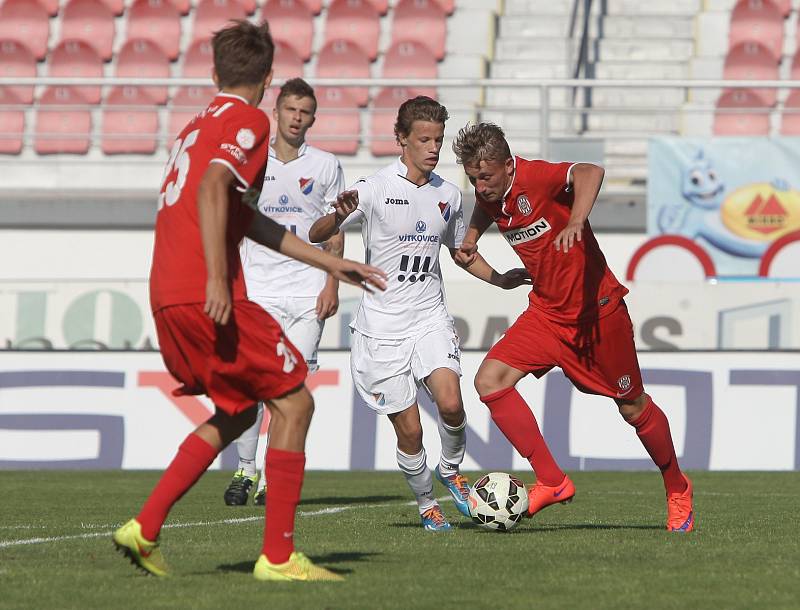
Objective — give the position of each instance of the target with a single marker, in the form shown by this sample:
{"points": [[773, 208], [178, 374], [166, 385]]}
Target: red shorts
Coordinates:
{"points": [[599, 358], [246, 361]]}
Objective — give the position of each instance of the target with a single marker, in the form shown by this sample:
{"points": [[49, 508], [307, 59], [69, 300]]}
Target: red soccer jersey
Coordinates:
{"points": [[568, 288], [233, 133]]}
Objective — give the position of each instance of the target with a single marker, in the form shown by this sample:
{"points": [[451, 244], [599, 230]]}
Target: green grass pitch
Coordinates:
{"points": [[608, 549]]}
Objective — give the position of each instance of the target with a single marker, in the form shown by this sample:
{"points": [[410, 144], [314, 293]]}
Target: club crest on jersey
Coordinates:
{"points": [[523, 205], [624, 382], [444, 208], [283, 199], [246, 138], [306, 185], [421, 226]]}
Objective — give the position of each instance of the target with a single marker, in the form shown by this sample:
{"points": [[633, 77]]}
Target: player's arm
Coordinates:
{"points": [[484, 271], [212, 212], [269, 233], [328, 299], [585, 180], [478, 223], [328, 226]]}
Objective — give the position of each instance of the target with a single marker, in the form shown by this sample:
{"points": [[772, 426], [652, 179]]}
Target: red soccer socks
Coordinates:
{"points": [[193, 459], [512, 415], [284, 471], [652, 428]]}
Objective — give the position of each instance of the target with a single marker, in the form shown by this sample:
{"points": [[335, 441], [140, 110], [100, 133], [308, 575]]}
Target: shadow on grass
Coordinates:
{"points": [[349, 500], [322, 560], [535, 529]]}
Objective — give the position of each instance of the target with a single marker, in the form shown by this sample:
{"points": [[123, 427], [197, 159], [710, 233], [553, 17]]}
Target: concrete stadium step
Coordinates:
{"points": [[662, 97], [526, 96], [632, 70], [637, 7], [541, 7], [525, 122], [648, 26], [508, 68], [533, 49], [520, 26], [642, 49], [635, 122]]}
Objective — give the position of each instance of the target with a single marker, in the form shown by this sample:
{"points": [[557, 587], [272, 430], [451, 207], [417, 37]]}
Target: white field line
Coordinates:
{"points": [[332, 510]]}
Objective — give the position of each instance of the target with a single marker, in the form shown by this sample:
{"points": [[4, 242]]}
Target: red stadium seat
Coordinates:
{"points": [[448, 6], [183, 6], [384, 114], [130, 122], [62, 129], [423, 21], [751, 119], [286, 63], [90, 21], [17, 60], [757, 21], [117, 7], [249, 6], [212, 15], [382, 6], [752, 61], [25, 22], [77, 58], [790, 119], [186, 103], [290, 22], [338, 125], [51, 6], [12, 122], [356, 21], [410, 59], [198, 60], [315, 6], [156, 20], [268, 103], [140, 58], [345, 59]]}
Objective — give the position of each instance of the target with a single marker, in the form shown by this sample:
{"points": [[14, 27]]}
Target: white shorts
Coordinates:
{"points": [[388, 372], [297, 317]]}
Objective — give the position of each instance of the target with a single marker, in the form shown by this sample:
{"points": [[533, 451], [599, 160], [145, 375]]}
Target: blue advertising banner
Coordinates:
{"points": [[733, 196]]}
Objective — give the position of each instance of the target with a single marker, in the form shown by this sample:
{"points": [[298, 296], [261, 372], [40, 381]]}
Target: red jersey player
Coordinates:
{"points": [[577, 319], [213, 340]]}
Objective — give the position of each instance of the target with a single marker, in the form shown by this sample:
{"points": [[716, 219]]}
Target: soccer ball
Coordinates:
{"points": [[497, 501]]}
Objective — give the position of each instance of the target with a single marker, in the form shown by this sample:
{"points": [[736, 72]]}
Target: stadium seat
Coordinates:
{"points": [[338, 125], [291, 22], [268, 103], [130, 122], [183, 6], [143, 58], [286, 63], [77, 58], [382, 119], [17, 60], [752, 61], [423, 21], [51, 6], [27, 23], [345, 59], [90, 21], [448, 6], [790, 119], [757, 21], [785, 7], [211, 15], [117, 7], [382, 6], [411, 59], [249, 6], [198, 60], [156, 20], [61, 129], [12, 122], [356, 21], [315, 6], [752, 118], [186, 103]]}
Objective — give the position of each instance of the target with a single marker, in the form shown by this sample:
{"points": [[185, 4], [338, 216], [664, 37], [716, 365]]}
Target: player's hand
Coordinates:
{"points": [[358, 274], [567, 238], [466, 253], [515, 277], [327, 302], [345, 204], [218, 305]]}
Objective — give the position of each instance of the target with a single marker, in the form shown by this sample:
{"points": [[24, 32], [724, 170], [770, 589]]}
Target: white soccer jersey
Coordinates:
{"points": [[295, 194], [403, 226]]}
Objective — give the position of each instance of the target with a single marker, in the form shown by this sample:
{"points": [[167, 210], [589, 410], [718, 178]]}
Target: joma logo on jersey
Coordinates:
{"points": [[529, 233], [392, 201]]}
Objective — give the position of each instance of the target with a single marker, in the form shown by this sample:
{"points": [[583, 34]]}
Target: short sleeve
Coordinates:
{"points": [[366, 196], [455, 227], [554, 177], [243, 144], [334, 187]]}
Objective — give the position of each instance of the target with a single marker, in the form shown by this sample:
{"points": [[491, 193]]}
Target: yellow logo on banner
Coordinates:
{"points": [[761, 212]]}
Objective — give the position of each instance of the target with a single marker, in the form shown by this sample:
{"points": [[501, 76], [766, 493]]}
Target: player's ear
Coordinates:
{"points": [[268, 78], [214, 77], [509, 166]]}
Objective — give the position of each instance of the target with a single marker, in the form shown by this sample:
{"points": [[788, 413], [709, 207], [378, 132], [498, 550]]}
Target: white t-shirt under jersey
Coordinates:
{"points": [[295, 194], [403, 226]]}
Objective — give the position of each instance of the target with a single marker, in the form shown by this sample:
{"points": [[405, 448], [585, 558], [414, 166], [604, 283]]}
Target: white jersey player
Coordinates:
{"points": [[300, 184], [404, 337]]}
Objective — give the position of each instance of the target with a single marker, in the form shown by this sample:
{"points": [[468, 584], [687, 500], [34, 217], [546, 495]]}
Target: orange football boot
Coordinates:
{"points": [[541, 496], [680, 515]]}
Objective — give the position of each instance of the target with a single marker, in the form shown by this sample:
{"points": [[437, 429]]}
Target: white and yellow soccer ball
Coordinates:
{"points": [[498, 501]]}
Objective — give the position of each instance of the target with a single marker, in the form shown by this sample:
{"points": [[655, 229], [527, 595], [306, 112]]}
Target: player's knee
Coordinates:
{"points": [[451, 407], [631, 410], [487, 383], [409, 438]]}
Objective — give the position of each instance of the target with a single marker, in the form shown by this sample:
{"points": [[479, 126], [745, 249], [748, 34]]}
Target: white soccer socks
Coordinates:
{"points": [[419, 478], [454, 445], [247, 445]]}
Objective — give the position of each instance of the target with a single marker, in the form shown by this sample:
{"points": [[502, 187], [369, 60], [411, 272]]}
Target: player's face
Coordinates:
{"points": [[491, 179], [421, 147], [294, 115]]}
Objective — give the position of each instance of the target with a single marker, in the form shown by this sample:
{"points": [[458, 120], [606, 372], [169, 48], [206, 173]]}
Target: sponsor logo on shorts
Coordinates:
{"points": [[523, 205], [235, 152], [394, 201], [306, 185], [604, 301], [246, 138], [531, 232], [380, 399]]}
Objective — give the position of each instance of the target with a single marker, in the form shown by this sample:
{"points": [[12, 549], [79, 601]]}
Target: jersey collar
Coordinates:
{"points": [[401, 170], [300, 151], [508, 190], [236, 97]]}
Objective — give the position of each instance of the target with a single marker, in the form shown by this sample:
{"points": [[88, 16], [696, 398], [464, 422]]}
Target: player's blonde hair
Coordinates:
{"points": [[243, 53], [420, 108], [480, 142]]}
